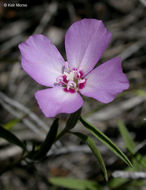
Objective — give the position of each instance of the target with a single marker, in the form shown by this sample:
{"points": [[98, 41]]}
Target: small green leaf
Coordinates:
{"points": [[95, 151], [47, 144], [116, 183], [140, 92], [7, 135], [11, 124], [129, 143], [104, 139], [139, 162], [73, 119], [75, 184]]}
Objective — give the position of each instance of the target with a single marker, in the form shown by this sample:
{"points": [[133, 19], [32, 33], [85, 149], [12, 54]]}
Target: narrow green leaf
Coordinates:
{"points": [[116, 183], [9, 125], [47, 144], [104, 139], [95, 151], [7, 135], [129, 143], [139, 162], [76, 184], [73, 119]]}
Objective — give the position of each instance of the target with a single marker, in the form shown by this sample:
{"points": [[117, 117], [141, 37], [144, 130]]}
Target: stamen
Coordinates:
{"points": [[59, 79], [81, 81], [71, 84], [71, 81]]}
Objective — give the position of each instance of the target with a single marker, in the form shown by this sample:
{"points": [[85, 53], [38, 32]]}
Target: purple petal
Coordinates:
{"points": [[85, 42], [55, 100], [41, 59], [106, 81]]}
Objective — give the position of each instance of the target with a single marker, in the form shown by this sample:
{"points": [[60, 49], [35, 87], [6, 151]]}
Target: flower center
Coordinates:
{"points": [[71, 80]]}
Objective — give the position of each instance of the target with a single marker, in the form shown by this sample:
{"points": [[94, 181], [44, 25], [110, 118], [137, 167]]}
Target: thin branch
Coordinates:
{"points": [[69, 149], [25, 110], [37, 126], [133, 49], [129, 175], [50, 11], [27, 122], [143, 2], [115, 109]]}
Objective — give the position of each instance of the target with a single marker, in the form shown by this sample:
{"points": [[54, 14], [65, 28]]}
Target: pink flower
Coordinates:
{"points": [[85, 42]]}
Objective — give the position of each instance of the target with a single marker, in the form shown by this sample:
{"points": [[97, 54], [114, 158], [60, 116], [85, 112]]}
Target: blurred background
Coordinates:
{"points": [[19, 112]]}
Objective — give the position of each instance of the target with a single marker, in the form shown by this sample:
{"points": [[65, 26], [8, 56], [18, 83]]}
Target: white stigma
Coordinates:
{"points": [[71, 80], [70, 76]]}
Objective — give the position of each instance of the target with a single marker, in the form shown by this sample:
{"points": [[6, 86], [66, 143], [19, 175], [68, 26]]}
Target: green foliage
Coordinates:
{"points": [[104, 139], [94, 150], [47, 144], [129, 143], [75, 184], [117, 183], [9, 125], [72, 121], [140, 92], [139, 163], [11, 138]]}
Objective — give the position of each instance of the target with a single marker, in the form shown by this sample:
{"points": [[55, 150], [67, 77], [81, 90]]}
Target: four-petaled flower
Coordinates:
{"points": [[85, 42]]}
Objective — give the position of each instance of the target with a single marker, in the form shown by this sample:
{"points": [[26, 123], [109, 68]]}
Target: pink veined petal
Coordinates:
{"points": [[41, 59], [85, 42], [55, 100], [106, 81]]}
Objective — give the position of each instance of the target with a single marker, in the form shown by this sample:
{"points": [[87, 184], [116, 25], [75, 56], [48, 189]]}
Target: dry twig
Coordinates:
{"points": [[129, 175]]}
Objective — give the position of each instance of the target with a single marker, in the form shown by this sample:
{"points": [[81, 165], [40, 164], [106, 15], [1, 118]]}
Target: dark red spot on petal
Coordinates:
{"points": [[81, 74], [65, 79], [82, 85], [71, 90]]}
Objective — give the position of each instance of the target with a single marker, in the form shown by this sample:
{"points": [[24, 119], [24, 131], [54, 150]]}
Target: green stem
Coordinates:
{"points": [[72, 121]]}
